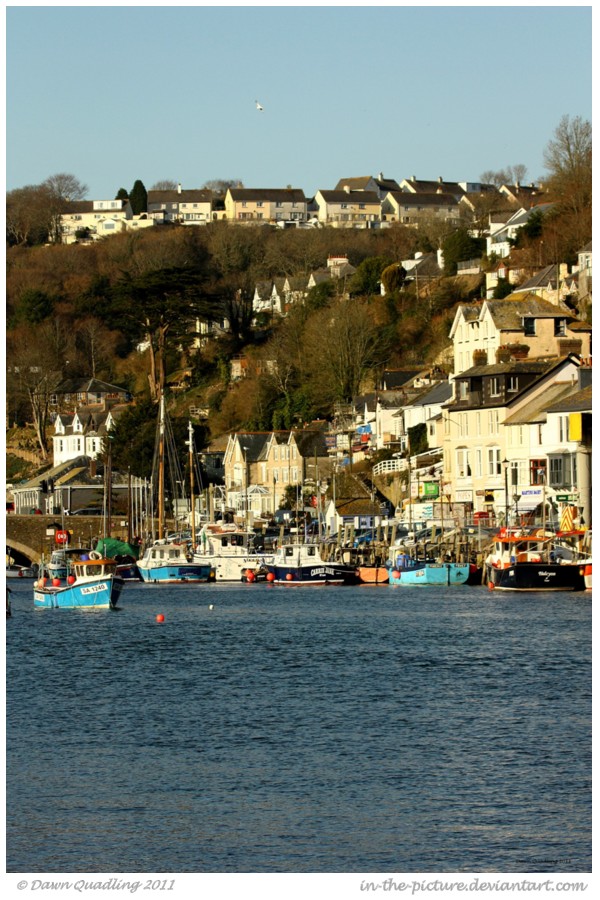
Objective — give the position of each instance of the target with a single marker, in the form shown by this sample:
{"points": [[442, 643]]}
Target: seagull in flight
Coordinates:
{"points": [[259, 107]]}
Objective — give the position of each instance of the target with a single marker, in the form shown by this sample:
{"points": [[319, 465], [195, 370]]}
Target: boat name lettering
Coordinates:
{"points": [[547, 574], [93, 589], [323, 570]]}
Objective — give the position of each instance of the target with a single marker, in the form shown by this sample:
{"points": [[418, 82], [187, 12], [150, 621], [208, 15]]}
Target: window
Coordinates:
{"points": [[478, 463], [537, 471], [493, 421], [560, 327], [463, 390], [463, 463], [478, 424], [563, 428], [563, 471], [528, 326], [494, 387], [259, 203], [494, 462], [513, 384]]}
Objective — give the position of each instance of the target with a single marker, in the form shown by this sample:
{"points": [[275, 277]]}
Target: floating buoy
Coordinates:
{"points": [[160, 618], [211, 606], [289, 577], [270, 577], [250, 577]]}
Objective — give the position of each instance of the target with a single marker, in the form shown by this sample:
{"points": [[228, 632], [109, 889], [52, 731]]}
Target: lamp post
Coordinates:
{"points": [[245, 449], [516, 498], [505, 465]]}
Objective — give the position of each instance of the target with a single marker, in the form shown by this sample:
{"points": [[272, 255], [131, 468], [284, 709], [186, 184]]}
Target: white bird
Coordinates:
{"points": [[259, 107]]}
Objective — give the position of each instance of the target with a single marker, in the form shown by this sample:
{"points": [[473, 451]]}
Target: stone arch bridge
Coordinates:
{"points": [[30, 537]]}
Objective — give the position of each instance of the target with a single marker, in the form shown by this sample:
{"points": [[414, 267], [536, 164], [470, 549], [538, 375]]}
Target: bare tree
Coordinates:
{"points": [[28, 215], [166, 184], [568, 159]]}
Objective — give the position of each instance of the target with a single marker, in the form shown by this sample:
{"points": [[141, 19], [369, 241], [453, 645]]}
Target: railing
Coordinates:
{"points": [[390, 465]]}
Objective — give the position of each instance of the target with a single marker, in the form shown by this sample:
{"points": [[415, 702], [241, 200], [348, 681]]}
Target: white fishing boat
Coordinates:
{"points": [[230, 551]]}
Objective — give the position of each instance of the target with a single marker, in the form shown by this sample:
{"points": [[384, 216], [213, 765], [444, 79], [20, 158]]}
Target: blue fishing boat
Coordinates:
{"points": [[168, 562], [409, 571], [91, 584]]}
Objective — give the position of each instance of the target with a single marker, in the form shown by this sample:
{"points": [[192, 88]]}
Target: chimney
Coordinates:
{"points": [[347, 188], [413, 178], [440, 180], [92, 468], [179, 188], [381, 176], [440, 258]]}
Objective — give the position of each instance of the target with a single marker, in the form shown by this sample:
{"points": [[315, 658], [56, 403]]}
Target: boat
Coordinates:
{"points": [[230, 551], [525, 560], [125, 555], [61, 559], [169, 561], [302, 564], [15, 571], [91, 584], [373, 574], [410, 571], [172, 563]]}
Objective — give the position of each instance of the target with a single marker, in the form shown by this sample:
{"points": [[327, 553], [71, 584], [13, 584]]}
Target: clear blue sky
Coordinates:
{"points": [[111, 94]]}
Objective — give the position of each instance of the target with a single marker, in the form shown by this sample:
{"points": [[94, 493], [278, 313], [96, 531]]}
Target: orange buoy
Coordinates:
{"points": [[491, 585], [250, 576], [71, 579], [160, 618], [270, 577], [56, 582], [289, 577], [396, 574]]}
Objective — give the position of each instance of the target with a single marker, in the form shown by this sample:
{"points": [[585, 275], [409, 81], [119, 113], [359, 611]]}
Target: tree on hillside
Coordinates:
{"points": [[568, 159], [138, 198], [460, 246], [393, 277], [122, 194], [345, 345], [28, 215], [161, 306], [33, 375], [366, 280], [510, 175]]}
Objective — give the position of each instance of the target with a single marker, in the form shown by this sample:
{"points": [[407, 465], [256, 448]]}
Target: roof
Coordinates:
{"points": [[88, 385], [406, 198], [515, 367], [508, 313], [577, 401], [355, 196], [175, 196], [439, 393], [430, 187], [395, 378], [269, 194], [536, 410]]}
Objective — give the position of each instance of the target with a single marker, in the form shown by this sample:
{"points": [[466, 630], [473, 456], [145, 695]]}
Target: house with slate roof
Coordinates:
{"points": [[184, 207], [414, 185], [410, 208], [91, 220], [82, 433], [260, 206], [71, 393], [485, 464], [515, 325], [499, 240], [380, 185], [348, 209]]}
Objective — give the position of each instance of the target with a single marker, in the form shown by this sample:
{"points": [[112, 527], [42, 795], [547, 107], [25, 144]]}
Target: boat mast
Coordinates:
{"points": [[190, 443], [161, 470]]}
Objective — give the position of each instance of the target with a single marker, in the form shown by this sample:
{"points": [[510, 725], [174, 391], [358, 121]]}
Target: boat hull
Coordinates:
{"points": [[234, 568], [318, 574], [102, 593], [432, 574], [373, 575], [535, 576], [176, 574]]}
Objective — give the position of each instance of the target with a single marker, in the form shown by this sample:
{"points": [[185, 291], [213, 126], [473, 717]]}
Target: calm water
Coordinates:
{"points": [[369, 729]]}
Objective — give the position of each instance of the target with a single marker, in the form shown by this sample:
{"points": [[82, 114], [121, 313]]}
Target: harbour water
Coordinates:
{"points": [[300, 730]]}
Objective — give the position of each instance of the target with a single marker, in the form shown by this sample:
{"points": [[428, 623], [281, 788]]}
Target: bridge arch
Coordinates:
{"points": [[21, 553]]}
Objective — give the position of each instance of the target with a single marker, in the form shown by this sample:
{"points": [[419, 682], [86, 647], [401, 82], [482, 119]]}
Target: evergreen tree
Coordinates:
{"points": [[138, 198]]}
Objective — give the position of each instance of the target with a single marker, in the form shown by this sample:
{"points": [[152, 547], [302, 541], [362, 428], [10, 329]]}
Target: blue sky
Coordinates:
{"points": [[112, 94]]}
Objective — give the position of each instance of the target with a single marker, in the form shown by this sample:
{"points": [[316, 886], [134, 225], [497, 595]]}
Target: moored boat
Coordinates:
{"points": [[297, 564], [524, 560], [91, 584], [373, 574], [230, 552], [172, 563], [409, 571]]}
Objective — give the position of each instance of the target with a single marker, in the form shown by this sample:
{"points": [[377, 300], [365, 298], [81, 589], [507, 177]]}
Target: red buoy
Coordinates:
{"points": [[56, 582], [250, 576], [160, 618], [71, 579], [289, 577], [270, 577], [396, 574]]}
